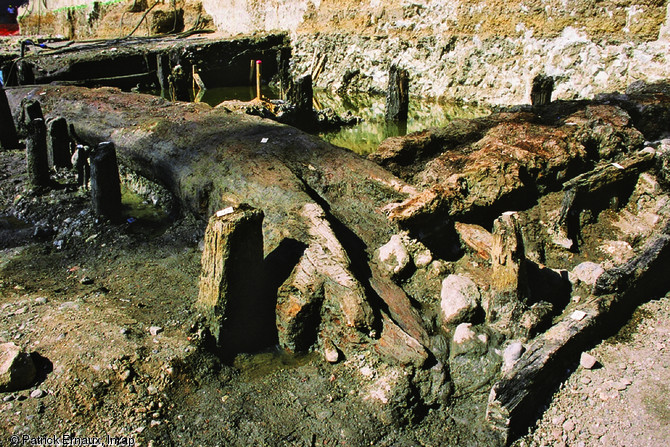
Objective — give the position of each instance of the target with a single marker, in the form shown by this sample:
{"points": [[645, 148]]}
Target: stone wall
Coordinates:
{"points": [[485, 51]]}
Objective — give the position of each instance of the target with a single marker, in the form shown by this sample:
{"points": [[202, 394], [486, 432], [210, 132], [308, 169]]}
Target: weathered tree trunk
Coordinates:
{"points": [[231, 296], [8, 137], [105, 183], [58, 144], [212, 159], [36, 154], [543, 87], [508, 279], [301, 95], [397, 95]]}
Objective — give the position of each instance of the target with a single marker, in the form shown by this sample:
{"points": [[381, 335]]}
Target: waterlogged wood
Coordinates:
{"points": [[655, 256], [8, 137], [210, 159], [36, 154], [397, 346], [397, 95], [321, 288], [618, 291], [508, 278], [231, 281], [301, 95], [58, 143], [476, 238], [592, 189], [543, 87], [105, 183]]}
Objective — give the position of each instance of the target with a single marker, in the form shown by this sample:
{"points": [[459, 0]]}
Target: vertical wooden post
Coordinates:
{"points": [[397, 95], [105, 183], [283, 59], [231, 297], [543, 87], [30, 110], [163, 73], [80, 162], [179, 84], [25, 75], [509, 286], [8, 136], [301, 95], [258, 79], [58, 143], [36, 154]]}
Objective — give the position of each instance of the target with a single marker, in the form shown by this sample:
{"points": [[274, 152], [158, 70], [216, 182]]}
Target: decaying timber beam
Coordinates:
{"points": [[617, 292], [587, 190]]}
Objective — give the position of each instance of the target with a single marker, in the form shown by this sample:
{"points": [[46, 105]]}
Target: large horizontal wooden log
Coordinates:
{"points": [[210, 159]]}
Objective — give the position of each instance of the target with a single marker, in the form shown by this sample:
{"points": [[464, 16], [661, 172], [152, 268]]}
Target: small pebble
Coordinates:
{"points": [[155, 330], [36, 394], [587, 361]]}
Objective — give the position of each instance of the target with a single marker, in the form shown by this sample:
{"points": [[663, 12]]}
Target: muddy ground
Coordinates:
{"points": [[82, 295], [106, 308]]}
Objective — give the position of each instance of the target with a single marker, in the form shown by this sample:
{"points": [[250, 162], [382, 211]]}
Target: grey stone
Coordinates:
{"points": [[37, 393], [17, 370], [587, 272], [511, 354], [460, 297], [587, 361], [394, 255]]}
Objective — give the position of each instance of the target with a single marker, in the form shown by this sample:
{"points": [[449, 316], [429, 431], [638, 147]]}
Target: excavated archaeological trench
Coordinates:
{"points": [[433, 293]]}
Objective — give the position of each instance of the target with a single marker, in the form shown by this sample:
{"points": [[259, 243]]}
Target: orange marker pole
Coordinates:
{"points": [[258, 79]]}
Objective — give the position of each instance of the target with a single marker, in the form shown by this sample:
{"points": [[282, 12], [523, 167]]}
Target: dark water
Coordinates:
{"points": [[364, 137]]}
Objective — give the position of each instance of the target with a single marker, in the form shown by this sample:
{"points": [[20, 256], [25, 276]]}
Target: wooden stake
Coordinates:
{"points": [[232, 281], [8, 137], [58, 144], [105, 183], [36, 154], [397, 96]]}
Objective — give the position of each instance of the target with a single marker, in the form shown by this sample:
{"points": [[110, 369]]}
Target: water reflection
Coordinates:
{"points": [[364, 137]]}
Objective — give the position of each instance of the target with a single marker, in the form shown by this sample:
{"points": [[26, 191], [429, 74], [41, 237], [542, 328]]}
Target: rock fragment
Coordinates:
{"points": [[394, 255], [459, 299], [17, 370], [587, 361]]}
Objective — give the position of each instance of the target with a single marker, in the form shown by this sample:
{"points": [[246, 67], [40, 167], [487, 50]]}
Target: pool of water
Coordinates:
{"points": [[365, 136]]}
